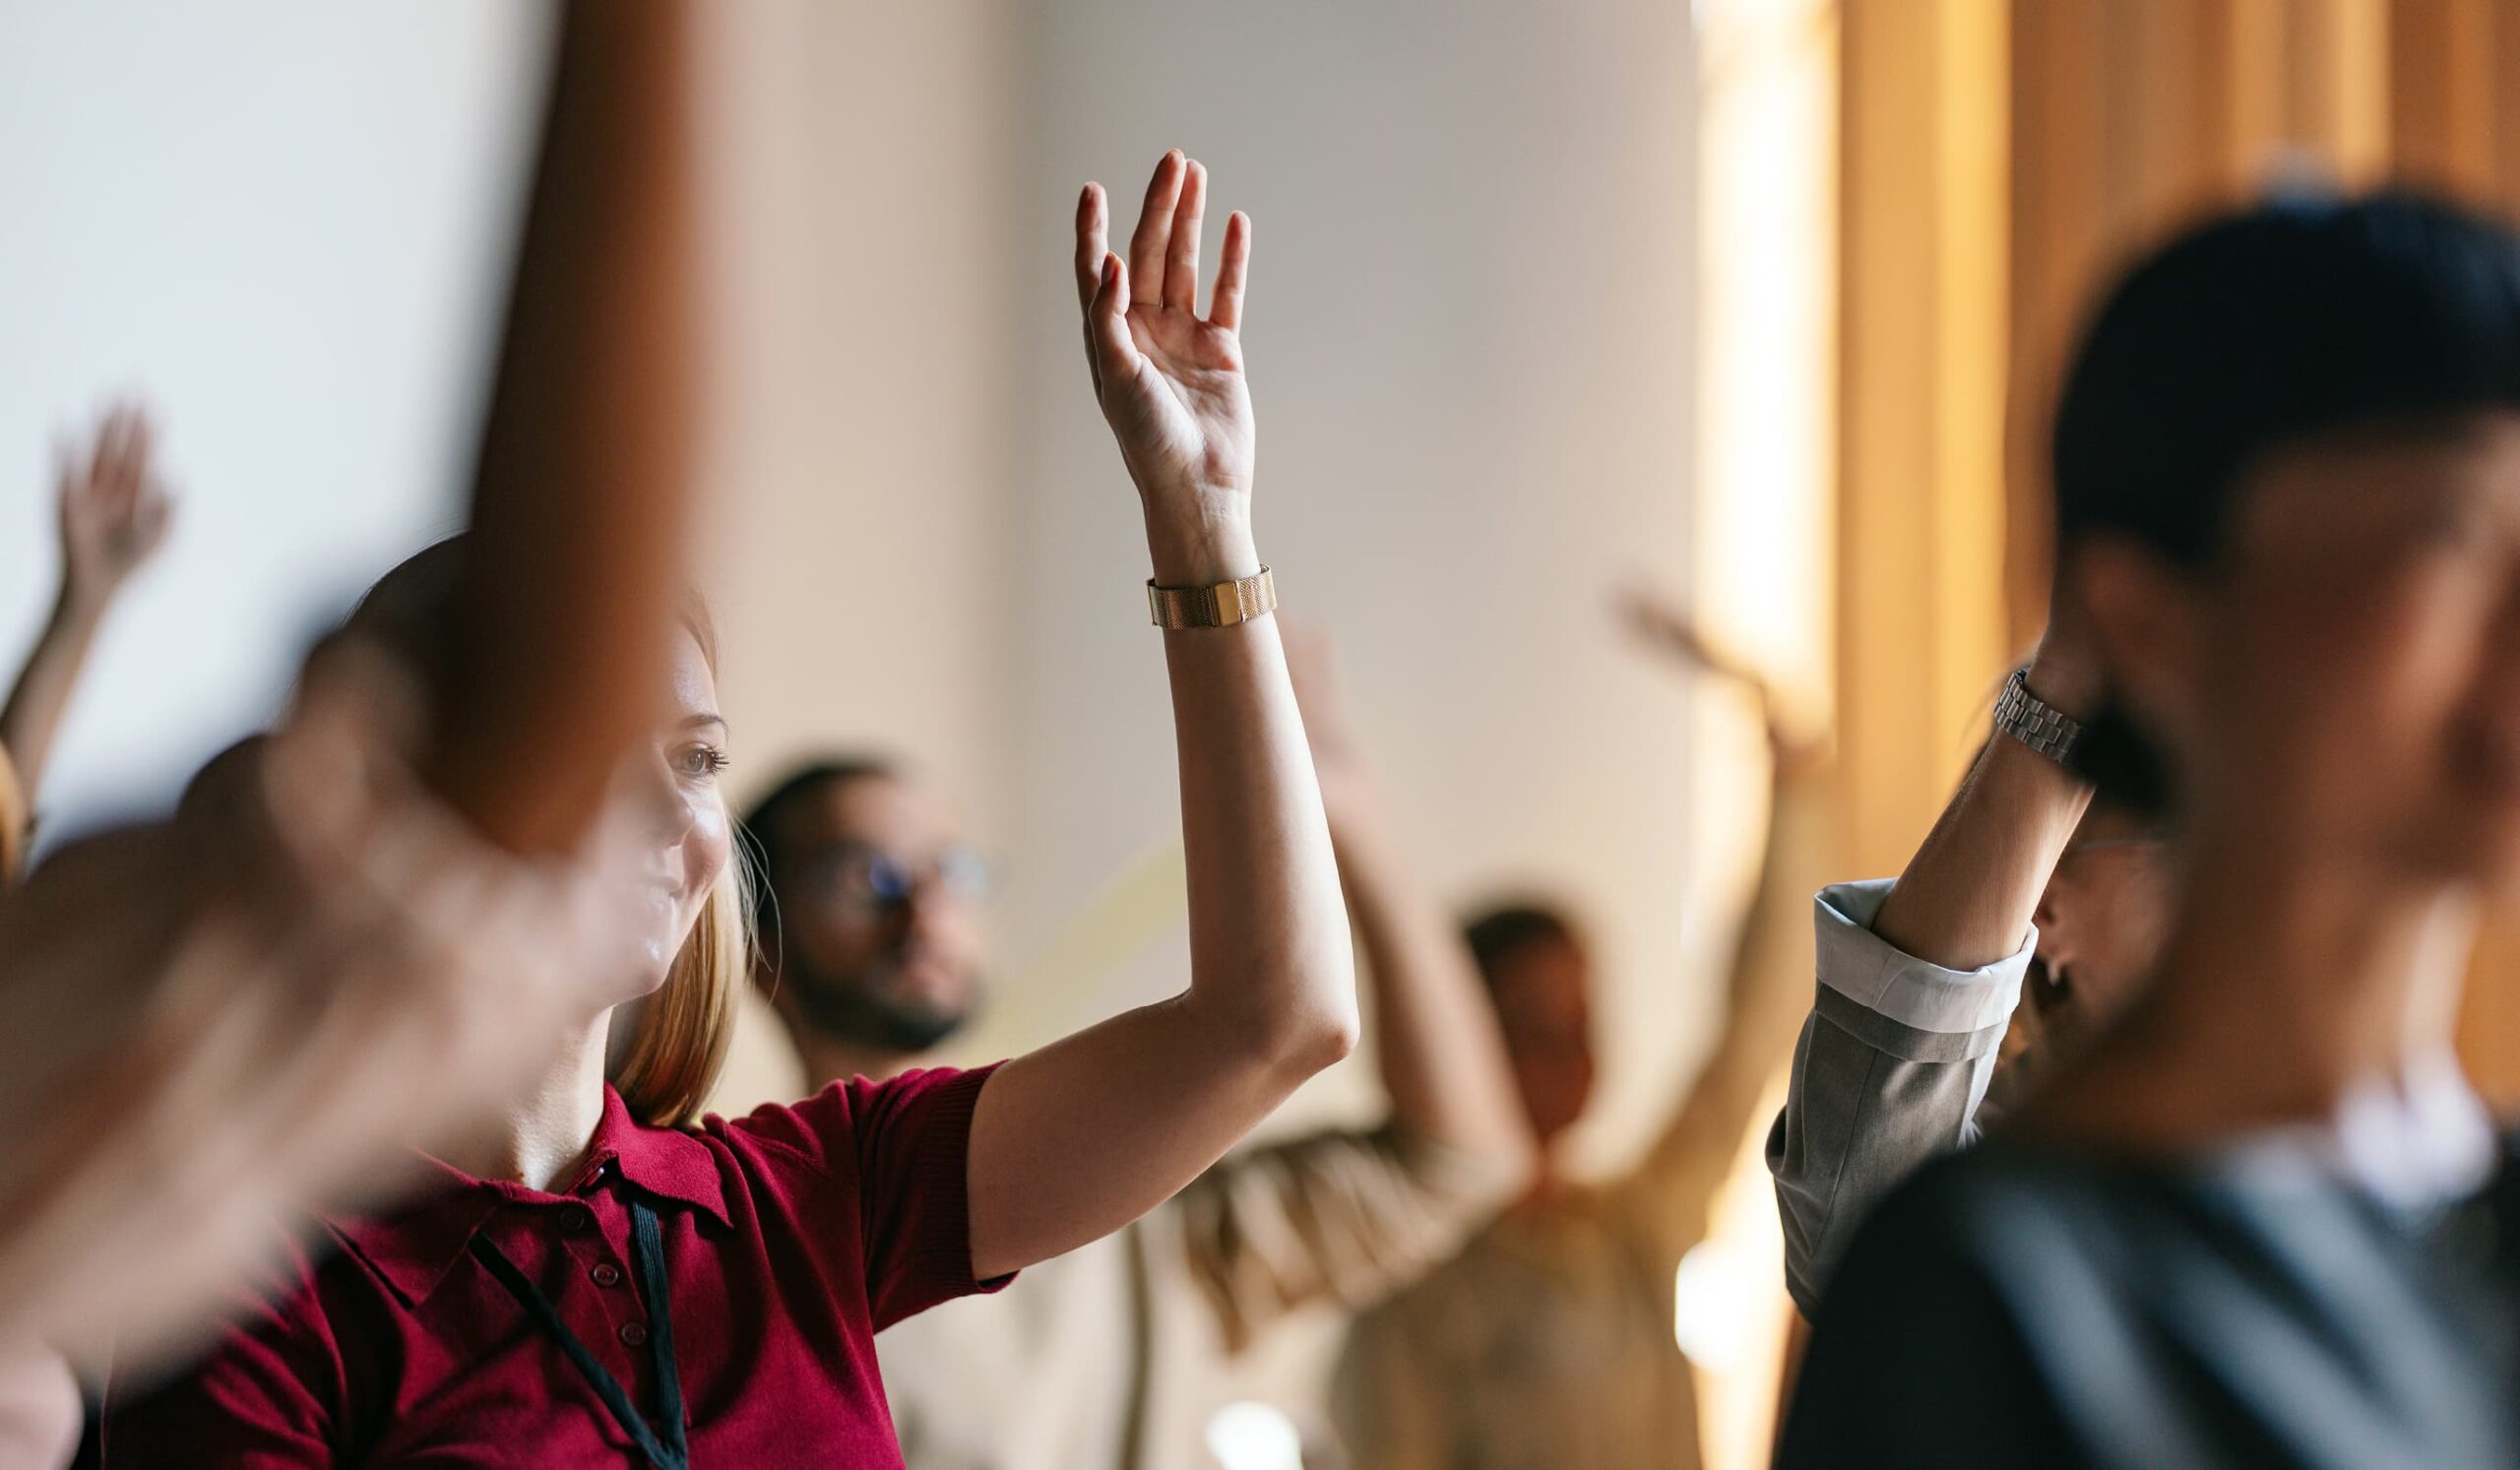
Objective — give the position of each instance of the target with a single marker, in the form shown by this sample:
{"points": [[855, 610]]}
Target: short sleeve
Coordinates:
{"points": [[907, 1143], [265, 1397]]}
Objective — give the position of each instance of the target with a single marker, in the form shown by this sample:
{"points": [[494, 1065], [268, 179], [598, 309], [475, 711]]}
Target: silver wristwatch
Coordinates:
{"points": [[2041, 726]]}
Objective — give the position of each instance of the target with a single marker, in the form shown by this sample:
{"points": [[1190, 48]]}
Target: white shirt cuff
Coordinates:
{"points": [[1860, 965]]}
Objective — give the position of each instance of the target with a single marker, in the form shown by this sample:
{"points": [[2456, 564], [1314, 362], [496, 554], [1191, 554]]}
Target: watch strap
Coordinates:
{"points": [[1222, 604], [2041, 725]]}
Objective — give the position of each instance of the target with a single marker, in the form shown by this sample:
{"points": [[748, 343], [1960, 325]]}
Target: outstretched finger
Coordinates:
{"points": [[104, 451], [1093, 242], [1181, 260], [1225, 308], [1154, 234], [1107, 321], [138, 439]]}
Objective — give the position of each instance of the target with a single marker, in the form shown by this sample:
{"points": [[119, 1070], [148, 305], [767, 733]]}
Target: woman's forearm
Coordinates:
{"points": [[41, 697]]}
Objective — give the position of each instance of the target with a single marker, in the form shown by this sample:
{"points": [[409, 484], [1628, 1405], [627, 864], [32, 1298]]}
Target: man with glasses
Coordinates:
{"points": [[1123, 1354], [866, 909]]}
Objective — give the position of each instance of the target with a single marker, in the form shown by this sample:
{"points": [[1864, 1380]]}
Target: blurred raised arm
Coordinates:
{"points": [[256, 1005], [585, 475], [112, 512]]}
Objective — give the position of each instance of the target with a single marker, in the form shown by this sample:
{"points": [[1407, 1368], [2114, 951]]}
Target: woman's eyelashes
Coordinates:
{"points": [[700, 761]]}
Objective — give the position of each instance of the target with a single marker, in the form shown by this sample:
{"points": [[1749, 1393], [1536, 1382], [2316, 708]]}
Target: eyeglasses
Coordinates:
{"points": [[870, 878]]}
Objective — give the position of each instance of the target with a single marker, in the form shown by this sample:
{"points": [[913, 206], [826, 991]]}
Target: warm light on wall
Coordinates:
{"points": [[1766, 429]]}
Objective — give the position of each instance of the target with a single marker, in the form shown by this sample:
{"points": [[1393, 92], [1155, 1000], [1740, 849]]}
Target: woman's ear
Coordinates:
{"points": [[2145, 623]]}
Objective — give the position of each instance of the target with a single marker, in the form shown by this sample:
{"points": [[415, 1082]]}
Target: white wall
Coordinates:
{"points": [[285, 222]]}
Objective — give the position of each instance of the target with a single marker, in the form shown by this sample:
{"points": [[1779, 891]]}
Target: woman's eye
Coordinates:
{"points": [[703, 760]]}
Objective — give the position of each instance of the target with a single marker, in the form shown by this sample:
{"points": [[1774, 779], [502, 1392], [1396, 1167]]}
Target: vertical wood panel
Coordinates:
{"points": [[2441, 94], [2337, 86], [1924, 324]]}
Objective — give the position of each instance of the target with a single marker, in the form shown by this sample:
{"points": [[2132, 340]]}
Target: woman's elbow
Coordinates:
{"points": [[1319, 1029], [1323, 1042]]}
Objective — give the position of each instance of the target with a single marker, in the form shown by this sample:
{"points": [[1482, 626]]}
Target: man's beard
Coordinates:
{"points": [[856, 1014]]}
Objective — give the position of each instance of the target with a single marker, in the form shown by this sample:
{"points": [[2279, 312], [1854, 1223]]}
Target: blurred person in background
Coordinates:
{"points": [[2022, 926], [596, 1278], [1118, 1354], [2262, 1219], [111, 510], [1549, 1341]]}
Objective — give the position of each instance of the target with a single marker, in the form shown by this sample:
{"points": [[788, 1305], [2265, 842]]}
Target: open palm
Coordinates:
{"points": [[1169, 381], [113, 509]]}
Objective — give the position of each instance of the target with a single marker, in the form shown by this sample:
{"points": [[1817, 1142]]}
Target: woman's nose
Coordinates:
{"points": [[664, 808]]}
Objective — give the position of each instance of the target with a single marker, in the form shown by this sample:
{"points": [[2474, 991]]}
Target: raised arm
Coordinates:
{"points": [[113, 514], [1072, 1141], [256, 1005], [1348, 1215], [1673, 1189], [1915, 984], [1443, 1063]]}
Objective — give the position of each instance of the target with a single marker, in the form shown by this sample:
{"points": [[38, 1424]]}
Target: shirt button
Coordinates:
{"points": [[607, 1274], [634, 1333], [577, 1218]]}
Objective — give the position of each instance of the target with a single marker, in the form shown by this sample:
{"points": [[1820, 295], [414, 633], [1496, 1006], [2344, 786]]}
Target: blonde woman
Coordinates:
{"points": [[600, 1282]]}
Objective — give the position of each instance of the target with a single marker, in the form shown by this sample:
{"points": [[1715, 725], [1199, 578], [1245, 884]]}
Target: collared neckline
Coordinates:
{"points": [[415, 1244], [2417, 1143]]}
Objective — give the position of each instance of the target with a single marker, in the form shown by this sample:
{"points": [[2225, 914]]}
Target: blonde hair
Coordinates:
{"points": [[679, 1035], [677, 1043]]}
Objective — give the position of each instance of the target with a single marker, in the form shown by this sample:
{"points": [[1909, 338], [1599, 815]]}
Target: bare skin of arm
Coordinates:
{"points": [[1766, 985], [1965, 900], [1076, 1139]]}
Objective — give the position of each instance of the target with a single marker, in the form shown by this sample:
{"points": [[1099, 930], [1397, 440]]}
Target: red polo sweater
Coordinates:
{"points": [[791, 1238]]}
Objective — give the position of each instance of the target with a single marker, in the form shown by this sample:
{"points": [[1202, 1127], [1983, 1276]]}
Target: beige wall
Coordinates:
{"points": [[859, 548]]}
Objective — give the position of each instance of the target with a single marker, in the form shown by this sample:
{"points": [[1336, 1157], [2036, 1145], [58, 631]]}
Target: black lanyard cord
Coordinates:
{"points": [[647, 1242]]}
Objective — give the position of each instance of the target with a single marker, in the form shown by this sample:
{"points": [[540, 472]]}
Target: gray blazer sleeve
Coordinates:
{"points": [[1889, 1071]]}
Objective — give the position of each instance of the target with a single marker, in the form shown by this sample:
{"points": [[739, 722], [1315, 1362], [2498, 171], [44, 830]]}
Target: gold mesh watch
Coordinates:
{"points": [[1221, 605]]}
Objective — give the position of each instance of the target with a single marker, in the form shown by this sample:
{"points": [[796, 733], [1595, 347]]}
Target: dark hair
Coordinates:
{"points": [[764, 831], [1500, 931], [2289, 322]]}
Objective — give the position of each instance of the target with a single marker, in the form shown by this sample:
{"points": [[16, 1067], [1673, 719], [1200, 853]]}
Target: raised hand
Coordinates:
{"points": [[1661, 624], [113, 509], [1170, 382]]}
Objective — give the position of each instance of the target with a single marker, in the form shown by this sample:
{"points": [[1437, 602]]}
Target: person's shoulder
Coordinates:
{"points": [[1959, 1216]]}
